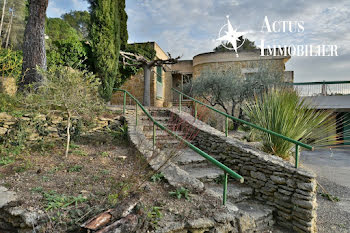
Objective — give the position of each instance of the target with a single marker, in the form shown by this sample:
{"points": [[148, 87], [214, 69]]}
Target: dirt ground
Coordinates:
{"points": [[100, 171]]}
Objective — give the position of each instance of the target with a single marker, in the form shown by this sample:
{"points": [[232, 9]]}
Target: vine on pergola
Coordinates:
{"points": [[131, 59]]}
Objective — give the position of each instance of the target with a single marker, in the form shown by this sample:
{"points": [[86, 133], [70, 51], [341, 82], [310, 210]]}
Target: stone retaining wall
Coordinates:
{"points": [[291, 191], [38, 126]]}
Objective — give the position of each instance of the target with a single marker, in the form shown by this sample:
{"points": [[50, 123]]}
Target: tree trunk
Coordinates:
{"points": [[9, 30], [147, 85], [68, 134], [34, 53], [2, 18], [237, 124]]}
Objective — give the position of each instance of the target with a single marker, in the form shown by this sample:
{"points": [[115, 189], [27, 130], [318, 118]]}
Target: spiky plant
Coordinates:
{"points": [[284, 112]]}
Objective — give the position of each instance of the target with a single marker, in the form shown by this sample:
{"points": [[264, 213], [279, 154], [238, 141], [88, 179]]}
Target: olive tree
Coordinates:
{"points": [[69, 92], [229, 88]]}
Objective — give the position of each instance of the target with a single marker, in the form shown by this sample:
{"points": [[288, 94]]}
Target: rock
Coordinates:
{"points": [[278, 179], [25, 118], [6, 197], [307, 186], [304, 203], [33, 137], [246, 223], [258, 175], [3, 131], [6, 117], [201, 223], [51, 129]]}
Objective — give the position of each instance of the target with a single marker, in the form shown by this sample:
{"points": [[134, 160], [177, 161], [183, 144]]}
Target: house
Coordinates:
{"points": [[333, 96], [176, 75]]}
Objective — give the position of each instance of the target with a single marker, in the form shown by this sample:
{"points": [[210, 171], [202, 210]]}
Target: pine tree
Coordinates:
{"points": [[34, 54], [105, 35]]}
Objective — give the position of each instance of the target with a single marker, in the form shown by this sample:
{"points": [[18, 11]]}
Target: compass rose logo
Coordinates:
{"points": [[230, 36]]}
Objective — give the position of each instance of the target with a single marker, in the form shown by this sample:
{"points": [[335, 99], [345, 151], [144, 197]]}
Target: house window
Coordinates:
{"points": [[159, 74], [159, 87]]}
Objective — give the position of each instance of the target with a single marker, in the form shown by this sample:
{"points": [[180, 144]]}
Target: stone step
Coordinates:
{"points": [[159, 113], [255, 217], [148, 126], [162, 133], [203, 173], [188, 156], [157, 118], [235, 192]]}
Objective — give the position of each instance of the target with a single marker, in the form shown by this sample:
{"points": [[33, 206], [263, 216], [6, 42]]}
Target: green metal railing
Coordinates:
{"points": [[227, 171], [227, 117]]}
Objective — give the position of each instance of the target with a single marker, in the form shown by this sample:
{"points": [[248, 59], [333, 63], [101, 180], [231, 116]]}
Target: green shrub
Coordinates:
{"points": [[10, 63], [284, 112], [8, 103], [68, 52]]}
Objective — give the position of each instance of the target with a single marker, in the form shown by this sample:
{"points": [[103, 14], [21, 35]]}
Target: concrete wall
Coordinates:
{"points": [[291, 191]]}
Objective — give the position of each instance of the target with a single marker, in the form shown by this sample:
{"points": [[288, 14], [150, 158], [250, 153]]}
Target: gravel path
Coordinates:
{"points": [[333, 171]]}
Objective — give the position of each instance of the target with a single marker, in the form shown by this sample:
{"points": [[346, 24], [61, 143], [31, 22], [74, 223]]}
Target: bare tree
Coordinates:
{"points": [[9, 28], [34, 53], [140, 61], [2, 17]]}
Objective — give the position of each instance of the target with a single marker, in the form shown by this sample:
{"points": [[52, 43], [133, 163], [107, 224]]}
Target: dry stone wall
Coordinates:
{"points": [[39, 127], [291, 191]]}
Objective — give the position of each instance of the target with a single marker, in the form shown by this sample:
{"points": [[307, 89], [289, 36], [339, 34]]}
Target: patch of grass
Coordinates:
{"points": [[79, 152], [60, 201], [75, 168], [43, 146], [105, 154], [45, 178], [73, 146], [6, 160], [180, 193], [157, 177], [38, 189], [113, 198], [23, 167], [105, 172], [154, 215]]}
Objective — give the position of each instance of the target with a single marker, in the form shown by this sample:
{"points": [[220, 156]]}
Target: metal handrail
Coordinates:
{"points": [[297, 143], [227, 171], [318, 83]]}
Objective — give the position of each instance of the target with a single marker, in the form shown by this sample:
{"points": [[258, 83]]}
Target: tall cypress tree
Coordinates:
{"points": [[105, 34]]}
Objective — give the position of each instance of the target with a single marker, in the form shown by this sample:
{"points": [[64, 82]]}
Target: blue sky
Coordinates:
{"points": [[189, 27]]}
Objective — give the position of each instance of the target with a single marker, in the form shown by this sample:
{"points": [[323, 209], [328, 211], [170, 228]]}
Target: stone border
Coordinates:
{"points": [[17, 219], [291, 191]]}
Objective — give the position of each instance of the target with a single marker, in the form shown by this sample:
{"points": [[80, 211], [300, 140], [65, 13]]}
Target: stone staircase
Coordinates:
{"points": [[254, 216]]}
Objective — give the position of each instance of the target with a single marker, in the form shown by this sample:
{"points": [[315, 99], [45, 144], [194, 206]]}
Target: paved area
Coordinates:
{"points": [[332, 167]]}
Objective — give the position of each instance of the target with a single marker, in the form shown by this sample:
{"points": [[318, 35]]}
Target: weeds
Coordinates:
{"points": [[154, 215], [79, 152], [121, 132], [6, 160], [75, 168], [180, 192], [157, 177], [220, 179], [58, 201]]}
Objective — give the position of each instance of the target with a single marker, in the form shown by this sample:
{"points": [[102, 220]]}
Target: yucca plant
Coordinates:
{"points": [[284, 112]]}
